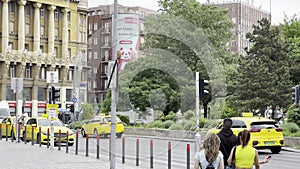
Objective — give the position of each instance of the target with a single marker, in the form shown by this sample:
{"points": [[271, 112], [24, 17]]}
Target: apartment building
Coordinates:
{"points": [[100, 42], [38, 36], [243, 15]]}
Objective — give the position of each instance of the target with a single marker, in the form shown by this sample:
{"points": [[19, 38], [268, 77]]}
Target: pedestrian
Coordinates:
{"points": [[210, 155], [245, 155], [228, 139], [231, 156]]}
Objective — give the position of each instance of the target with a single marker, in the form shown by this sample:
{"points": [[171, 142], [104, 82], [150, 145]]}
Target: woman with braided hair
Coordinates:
{"points": [[210, 155]]}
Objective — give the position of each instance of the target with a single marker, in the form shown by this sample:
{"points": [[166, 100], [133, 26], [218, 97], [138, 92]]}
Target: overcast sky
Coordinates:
{"points": [[278, 7]]}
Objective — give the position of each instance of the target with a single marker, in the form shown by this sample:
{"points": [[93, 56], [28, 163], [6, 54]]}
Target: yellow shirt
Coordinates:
{"points": [[244, 156]]}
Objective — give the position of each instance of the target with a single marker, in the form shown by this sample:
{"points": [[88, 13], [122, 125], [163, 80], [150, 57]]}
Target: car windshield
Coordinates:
{"points": [[4, 112], [47, 122], [264, 125]]}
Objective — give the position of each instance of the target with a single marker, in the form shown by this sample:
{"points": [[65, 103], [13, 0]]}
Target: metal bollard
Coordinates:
{"points": [[32, 135], [6, 132], [98, 146], [19, 130], [188, 151], [0, 131], [123, 150], [24, 135], [87, 146], [48, 137], [137, 151], [59, 141], [76, 146], [169, 155], [40, 136], [67, 146], [151, 153]]}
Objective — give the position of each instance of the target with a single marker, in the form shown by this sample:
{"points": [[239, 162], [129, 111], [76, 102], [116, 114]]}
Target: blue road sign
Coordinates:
{"points": [[74, 99]]}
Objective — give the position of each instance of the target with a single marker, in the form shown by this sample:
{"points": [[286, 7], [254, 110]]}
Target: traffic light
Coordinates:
{"points": [[295, 94], [202, 90], [55, 94], [72, 108]]}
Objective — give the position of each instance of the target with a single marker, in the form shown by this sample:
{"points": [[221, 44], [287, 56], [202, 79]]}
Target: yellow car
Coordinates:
{"points": [[44, 124], [101, 125], [10, 121], [265, 133]]}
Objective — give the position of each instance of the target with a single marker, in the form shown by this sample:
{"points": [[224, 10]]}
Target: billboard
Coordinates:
{"points": [[127, 46]]}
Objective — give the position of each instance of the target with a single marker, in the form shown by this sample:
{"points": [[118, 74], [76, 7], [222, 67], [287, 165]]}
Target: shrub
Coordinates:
{"points": [[188, 124], [176, 126], [293, 114], [167, 124], [155, 124], [290, 127], [171, 116], [188, 115]]}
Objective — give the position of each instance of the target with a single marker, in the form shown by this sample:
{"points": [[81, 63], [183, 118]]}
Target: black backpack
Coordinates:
{"points": [[210, 166]]}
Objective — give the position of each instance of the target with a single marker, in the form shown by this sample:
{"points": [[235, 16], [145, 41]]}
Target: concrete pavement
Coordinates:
{"points": [[15, 155]]}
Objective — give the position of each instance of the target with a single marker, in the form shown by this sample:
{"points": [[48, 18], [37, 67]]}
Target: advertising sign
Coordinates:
{"points": [[127, 46], [52, 111]]}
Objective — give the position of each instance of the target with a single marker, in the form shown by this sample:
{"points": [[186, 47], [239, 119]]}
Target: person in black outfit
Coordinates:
{"points": [[228, 139]]}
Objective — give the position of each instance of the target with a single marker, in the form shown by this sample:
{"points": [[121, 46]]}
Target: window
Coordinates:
{"points": [[80, 37], [95, 84], [42, 31], [80, 20], [27, 28], [95, 40], [95, 26], [11, 27], [69, 35], [12, 7], [68, 16], [42, 12], [10, 95], [41, 49], [83, 75], [90, 55], [69, 53], [55, 14], [42, 73], [28, 72], [69, 95], [70, 75], [27, 10], [106, 42], [56, 34], [27, 93], [55, 51], [95, 55], [12, 72], [42, 94]]}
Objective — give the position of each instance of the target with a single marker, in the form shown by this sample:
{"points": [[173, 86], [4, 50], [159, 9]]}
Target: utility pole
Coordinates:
{"points": [[114, 90], [197, 135]]}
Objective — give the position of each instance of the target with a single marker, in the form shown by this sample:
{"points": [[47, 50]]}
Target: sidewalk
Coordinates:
{"points": [[19, 156]]}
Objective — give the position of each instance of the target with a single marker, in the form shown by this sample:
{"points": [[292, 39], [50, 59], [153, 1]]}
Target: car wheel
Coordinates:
{"points": [[275, 150], [24, 138], [12, 135], [95, 132], [119, 135], [38, 138], [70, 144], [83, 133]]}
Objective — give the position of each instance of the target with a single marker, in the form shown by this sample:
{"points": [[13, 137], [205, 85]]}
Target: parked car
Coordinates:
{"points": [[10, 122], [101, 125], [265, 133], [44, 123]]}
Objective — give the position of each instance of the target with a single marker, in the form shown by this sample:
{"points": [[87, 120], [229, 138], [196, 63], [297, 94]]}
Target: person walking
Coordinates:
{"points": [[245, 155], [228, 139], [210, 156]]}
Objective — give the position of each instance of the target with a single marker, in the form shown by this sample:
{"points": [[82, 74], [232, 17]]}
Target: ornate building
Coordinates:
{"points": [[38, 36]]}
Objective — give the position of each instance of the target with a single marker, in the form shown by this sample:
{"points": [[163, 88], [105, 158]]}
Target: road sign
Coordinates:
{"points": [[74, 99], [52, 77], [17, 84], [52, 111]]}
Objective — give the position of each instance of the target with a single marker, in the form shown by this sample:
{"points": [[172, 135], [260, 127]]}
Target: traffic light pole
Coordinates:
{"points": [[197, 136], [51, 126]]}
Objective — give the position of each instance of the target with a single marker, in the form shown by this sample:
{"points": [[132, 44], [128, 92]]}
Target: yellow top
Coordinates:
{"points": [[244, 156]]}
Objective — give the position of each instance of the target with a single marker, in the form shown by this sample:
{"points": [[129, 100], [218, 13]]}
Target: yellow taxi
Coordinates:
{"points": [[10, 122], [265, 133], [44, 123], [101, 124]]}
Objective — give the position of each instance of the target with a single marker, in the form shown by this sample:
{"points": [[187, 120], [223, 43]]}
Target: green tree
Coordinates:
{"points": [[214, 25], [88, 111], [264, 72]]}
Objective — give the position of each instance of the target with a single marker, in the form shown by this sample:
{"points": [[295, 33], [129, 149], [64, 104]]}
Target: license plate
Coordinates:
{"points": [[269, 142]]}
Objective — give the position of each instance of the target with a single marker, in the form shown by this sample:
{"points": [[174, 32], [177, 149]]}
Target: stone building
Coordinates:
{"points": [[38, 36]]}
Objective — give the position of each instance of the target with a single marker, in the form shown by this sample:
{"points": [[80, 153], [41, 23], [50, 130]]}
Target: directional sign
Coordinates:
{"points": [[74, 99]]}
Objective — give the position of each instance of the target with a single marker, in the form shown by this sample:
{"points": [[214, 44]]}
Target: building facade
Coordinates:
{"points": [[40, 36], [243, 15], [100, 44]]}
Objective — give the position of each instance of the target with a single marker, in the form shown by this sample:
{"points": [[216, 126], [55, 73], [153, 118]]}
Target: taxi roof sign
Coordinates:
{"points": [[248, 114]]}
